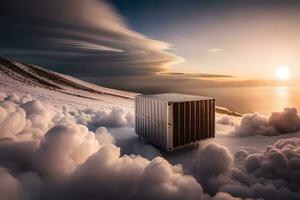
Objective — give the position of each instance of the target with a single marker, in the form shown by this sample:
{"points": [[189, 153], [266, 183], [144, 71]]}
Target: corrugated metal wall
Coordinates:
{"points": [[189, 122], [152, 120], [193, 121]]}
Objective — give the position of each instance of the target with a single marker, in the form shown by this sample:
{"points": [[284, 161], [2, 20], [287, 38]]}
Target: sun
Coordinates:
{"points": [[282, 73]]}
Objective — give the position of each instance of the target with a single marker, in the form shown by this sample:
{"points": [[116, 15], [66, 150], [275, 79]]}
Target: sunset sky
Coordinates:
{"points": [[248, 39], [130, 39]]}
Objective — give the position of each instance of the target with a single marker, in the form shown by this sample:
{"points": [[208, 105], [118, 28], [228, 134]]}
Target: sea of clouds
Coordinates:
{"points": [[287, 121], [59, 153]]}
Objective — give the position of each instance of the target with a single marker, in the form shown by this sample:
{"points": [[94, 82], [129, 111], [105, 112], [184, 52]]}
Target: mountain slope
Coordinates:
{"points": [[37, 76], [20, 78]]}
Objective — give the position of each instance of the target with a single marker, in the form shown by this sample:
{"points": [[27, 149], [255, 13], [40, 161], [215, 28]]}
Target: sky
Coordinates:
{"points": [[125, 41], [81, 38], [248, 39]]}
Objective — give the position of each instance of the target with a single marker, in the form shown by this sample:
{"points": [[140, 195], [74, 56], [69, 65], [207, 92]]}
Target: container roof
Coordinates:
{"points": [[176, 97]]}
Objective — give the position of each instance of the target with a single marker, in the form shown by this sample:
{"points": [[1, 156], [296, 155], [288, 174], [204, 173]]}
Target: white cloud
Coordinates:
{"points": [[96, 118], [107, 175], [215, 50], [13, 119], [104, 137], [61, 159], [64, 148], [72, 155], [287, 121], [225, 120]]}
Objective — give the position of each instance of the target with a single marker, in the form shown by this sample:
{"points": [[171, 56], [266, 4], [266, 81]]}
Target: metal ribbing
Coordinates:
{"points": [[189, 123], [198, 126], [175, 124], [151, 121], [202, 130], [212, 117], [192, 121], [207, 127]]}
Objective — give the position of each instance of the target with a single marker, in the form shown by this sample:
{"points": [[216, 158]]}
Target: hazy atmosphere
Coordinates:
{"points": [[77, 121], [234, 43]]}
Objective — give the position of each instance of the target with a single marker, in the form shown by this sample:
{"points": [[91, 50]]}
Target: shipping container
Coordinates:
{"points": [[171, 120]]}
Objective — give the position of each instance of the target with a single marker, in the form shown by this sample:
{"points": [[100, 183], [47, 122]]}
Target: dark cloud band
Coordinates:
{"points": [[85, 38]]}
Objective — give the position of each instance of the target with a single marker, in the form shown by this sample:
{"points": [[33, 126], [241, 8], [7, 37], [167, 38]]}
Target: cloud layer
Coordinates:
{"points": [[58, 153], [67, 161], [77, 35], [287, 121]]}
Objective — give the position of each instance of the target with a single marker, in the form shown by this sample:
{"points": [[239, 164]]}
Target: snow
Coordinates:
{"points": [[15, 83]]}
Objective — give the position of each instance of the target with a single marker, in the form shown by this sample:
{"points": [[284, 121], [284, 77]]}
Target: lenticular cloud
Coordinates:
{"points": [[90, 32]]}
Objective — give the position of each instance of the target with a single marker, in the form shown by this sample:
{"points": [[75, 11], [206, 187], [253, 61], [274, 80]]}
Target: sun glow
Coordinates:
{"points": [[282, 73]]}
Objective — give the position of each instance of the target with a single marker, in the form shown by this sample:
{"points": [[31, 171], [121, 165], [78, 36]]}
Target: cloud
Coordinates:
{"points": [[254, 124], [195, 75], [2, 96], [14, 98], [216, 50], [272, 174], [224, 196], [280, 161], [241, 155], [64, 148], [107, 175], [225, 120], [67, 160], [94, 119], [20, 120], [10, 187], [115, 118], [104, 137], [73, 35], [287, 121], [16, 155], [210, 164], [13, 119], [217, 160]]}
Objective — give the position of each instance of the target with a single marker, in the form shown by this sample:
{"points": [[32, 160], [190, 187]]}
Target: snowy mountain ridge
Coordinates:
{"points": [[58, 89], [43, 83], [41, 77]]}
